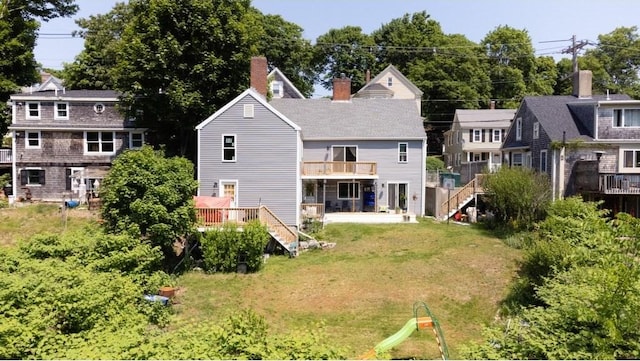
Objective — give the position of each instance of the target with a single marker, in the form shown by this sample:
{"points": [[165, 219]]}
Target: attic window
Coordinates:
{"points": [[276, 89], [536, 130], [519, 129], [389, 81], [98, 108], [248, 110]]}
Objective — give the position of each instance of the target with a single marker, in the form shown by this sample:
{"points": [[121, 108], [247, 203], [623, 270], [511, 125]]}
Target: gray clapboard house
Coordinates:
{"points": [[343, 154]]}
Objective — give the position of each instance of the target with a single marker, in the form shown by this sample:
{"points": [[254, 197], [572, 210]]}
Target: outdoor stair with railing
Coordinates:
{"points": [[461, 197], [219, 217]]}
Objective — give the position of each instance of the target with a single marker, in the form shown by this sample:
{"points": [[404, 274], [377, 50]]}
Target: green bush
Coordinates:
{"points": [[518, 197], [224, 248], [146, 194]]}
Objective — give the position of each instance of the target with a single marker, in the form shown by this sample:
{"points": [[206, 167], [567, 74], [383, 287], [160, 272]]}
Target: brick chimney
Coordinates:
{"points": [[582, 84], [341, 88], [259, 74]]}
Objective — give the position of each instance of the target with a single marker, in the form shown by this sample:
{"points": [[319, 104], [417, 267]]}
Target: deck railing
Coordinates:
{"points": [[5, 155], [312, 210], [620, 183], [339, 168], [216, 217], [460, 195]]}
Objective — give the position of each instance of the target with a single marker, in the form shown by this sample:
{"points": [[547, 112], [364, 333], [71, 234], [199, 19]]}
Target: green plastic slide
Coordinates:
{"points": [[397, 338]]}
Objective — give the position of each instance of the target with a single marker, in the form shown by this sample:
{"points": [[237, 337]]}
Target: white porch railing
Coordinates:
{"points": [[5, 155]]}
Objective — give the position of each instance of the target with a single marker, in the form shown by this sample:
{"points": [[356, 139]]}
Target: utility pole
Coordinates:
{"points": [[573, 50]]}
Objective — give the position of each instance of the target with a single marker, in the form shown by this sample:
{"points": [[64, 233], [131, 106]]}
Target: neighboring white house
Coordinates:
{"points": [[472, 145]]}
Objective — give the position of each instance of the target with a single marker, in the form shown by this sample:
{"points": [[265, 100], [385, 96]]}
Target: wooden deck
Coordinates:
{"points": [[218, 217]]}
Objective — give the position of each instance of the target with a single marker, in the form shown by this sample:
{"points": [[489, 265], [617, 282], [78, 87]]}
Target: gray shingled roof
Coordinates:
{"points": [[71, 94], [558, 114], [355, 119], [470, 118]]}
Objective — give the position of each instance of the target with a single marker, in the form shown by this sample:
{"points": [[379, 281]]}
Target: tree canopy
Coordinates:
{"points": [[19, 24]]}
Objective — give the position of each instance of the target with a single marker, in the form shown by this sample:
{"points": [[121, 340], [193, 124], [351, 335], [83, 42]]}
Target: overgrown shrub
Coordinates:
{"points": [[224, 248], [518, 197], [578, 292], [146, 194]]}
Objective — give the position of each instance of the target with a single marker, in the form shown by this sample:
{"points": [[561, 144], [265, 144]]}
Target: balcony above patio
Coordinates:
{"points": [[339, 170]]}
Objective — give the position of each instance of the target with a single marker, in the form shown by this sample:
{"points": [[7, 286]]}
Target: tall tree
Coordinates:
{"points": [[344, 51], [512, 65], [449, 69], [618, 55], [285, 48], [92, 68], [19, 24], [181, 61]]}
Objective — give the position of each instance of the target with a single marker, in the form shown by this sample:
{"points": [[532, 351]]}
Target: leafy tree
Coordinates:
{"points": [[449, 69], [149, 195], [615, 62], [517, 196], [344, 51], [93, 67], [18, 33], [180, 61], [513, 67], [285, 48], [434, 163]]}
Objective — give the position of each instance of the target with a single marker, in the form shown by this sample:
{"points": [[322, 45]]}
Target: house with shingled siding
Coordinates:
{"points": [[589, 145], [64, 141]]}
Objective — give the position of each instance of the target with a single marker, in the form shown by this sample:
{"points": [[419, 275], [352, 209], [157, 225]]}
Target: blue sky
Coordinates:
{"points": [[545, 20]]}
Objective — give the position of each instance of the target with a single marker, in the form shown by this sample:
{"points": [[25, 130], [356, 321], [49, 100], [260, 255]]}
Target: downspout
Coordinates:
{"points": [[14, 156], [553, 174], [423, 186], [561, 167]]}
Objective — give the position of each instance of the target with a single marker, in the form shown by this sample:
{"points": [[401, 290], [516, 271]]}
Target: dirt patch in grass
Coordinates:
{"points": [[364, 290]]}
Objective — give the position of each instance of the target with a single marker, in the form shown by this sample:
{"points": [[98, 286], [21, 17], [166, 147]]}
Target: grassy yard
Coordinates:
{"points": [[359, 292], [363, 290], [28, 219]]}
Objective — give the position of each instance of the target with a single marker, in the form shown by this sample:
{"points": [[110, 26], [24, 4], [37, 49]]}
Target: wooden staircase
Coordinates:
{"points": [[461, 197], [279, 231]]}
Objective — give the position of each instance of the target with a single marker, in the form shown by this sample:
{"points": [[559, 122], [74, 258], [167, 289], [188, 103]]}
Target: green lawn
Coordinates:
{"points": [[363, 290], [359, 292]]}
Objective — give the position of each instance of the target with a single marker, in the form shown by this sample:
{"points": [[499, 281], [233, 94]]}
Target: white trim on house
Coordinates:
{"points": [[255, 95]]}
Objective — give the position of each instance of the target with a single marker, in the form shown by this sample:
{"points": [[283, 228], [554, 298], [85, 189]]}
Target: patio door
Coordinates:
{"points": [[397, 194], [342, 157]]}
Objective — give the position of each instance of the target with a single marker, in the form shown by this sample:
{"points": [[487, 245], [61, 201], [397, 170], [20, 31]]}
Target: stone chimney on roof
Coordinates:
{"points": [[582, 84], [259, 74], [341, 88]]}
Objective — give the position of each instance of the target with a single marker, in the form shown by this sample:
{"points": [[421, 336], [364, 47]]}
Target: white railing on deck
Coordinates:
{"points": [[5, 155]]}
